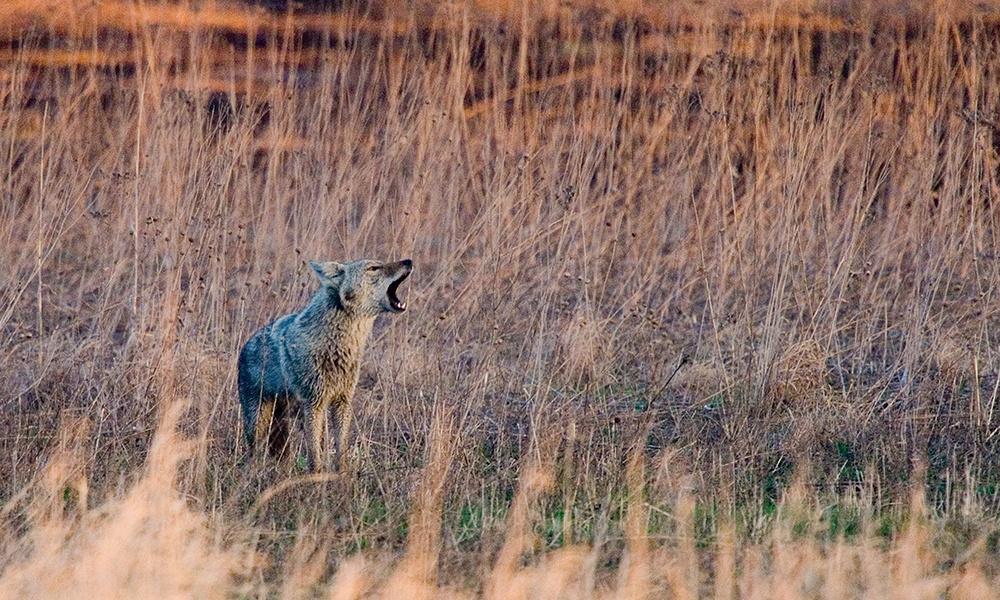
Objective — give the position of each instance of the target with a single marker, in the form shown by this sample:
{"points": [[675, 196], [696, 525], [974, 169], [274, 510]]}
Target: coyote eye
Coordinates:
{"points": [[372, 268]]}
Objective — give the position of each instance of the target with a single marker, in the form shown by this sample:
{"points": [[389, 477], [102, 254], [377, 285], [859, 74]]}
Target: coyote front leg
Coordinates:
{"points": [[342, 418], [314, 428]]}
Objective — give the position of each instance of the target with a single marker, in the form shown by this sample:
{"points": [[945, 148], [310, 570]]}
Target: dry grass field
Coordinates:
{"points": [[705, 302]]}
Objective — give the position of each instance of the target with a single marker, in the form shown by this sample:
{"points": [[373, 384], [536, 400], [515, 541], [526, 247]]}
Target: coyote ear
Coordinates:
{"points": [[327, 271]]}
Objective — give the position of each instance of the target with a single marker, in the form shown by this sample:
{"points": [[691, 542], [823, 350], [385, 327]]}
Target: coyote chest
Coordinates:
{"points": [[337, 363]]}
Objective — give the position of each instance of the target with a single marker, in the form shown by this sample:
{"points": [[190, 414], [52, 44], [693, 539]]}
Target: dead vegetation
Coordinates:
{"points": [[800, 202]]}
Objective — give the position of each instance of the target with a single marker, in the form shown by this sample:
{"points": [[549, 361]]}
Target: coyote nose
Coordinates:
{"points": [[406, 263]]}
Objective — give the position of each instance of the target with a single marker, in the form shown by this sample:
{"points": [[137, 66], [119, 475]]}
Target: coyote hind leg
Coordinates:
{"points": [[275, 427]]}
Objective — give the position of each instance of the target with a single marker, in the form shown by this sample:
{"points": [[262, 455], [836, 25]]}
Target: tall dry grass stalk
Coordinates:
{"points": [[800, 199], [416, 575], [634, 576]]}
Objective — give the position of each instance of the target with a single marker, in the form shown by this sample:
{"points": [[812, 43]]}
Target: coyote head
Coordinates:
{"points": [[364, 287]]}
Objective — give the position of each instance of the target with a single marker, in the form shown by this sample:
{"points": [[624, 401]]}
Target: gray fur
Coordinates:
{"points": [[307, 362]]}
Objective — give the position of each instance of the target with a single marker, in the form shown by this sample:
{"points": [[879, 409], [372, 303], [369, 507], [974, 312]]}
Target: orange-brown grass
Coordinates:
{"points": [[799, 207]]}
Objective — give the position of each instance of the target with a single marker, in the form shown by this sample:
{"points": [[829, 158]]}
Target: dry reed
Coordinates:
{"points": [[803, 202]]}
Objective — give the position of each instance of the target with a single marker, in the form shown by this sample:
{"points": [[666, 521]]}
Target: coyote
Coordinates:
{"points": [[306, 363]]}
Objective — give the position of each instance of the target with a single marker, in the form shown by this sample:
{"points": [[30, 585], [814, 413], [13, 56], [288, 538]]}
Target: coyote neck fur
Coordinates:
{"points": [[338, 341]]}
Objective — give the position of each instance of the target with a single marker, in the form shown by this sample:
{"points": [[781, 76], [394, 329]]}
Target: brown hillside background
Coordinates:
{"points": [[705, 300]]}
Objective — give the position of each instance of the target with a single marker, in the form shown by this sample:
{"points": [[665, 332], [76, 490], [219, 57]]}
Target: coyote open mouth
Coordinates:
{"points": [[394, 301]]}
